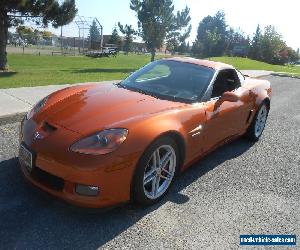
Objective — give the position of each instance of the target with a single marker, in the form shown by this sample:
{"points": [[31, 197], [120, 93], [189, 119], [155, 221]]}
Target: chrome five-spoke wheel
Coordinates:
{"points": [[156, 171], [260, 121], [159, 171]]}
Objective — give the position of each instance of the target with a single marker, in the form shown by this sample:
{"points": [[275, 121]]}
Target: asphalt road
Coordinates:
{"points": [[242, 188]]}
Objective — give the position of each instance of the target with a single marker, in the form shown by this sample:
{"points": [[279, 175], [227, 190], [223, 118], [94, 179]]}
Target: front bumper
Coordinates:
{"points": [[114, 186], [68, 193], [58, 171]]}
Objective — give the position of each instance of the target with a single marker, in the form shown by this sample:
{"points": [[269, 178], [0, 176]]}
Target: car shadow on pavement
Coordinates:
{"points": [[32, 219]]}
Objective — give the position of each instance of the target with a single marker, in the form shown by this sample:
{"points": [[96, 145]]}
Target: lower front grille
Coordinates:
{"points": [[47, 179]]}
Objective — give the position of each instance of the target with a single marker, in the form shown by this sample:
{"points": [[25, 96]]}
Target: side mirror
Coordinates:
{"points": [[229, 97]]}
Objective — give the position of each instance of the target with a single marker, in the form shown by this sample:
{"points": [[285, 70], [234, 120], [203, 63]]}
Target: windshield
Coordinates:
{"points": [[171, 80]]}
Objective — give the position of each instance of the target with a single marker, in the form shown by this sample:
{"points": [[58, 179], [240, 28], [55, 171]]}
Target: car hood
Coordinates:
{"points": [[89, 108]]}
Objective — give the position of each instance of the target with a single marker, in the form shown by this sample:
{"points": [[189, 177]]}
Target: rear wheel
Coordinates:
{"points": [[258, 123], [155, 172]]}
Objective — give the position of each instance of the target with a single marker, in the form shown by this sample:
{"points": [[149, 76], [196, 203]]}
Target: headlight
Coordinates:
{"points": [[37, 107], [101, 143]]}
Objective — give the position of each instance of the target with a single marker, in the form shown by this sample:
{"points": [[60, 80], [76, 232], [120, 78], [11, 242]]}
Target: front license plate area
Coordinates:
{"points": [[26, 157]]}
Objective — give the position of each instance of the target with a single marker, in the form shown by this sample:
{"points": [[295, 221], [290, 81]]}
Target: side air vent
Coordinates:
{"points": [[249, 116], [47, 127]]}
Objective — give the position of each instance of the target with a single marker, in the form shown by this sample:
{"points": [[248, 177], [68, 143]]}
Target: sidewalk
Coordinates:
{"points": [[15, 102], [257, 73]]}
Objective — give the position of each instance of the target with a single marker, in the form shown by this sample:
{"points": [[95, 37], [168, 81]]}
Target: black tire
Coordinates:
{"points": [[138, 195], [251, 133]]}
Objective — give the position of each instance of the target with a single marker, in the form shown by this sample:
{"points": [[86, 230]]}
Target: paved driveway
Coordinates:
{"points": [[242, 188]]}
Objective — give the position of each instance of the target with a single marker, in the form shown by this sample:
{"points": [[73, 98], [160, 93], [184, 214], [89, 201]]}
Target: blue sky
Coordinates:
{"points": [[284, 15]]}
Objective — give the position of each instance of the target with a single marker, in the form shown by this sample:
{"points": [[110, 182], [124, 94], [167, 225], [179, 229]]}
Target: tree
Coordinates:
{"points": [[10, 37], [115, 38], [94, 35], [156, 22], [182, 48], [129, 34], [24, 31], [255, 48], [188, 47], [288, 55], [177, 36], [211, 36], [197, 49], [237, 44], [47, 35], [13, 12], [27, 34], [172, 44], [176, 40], [221, 32], [271, 45]]}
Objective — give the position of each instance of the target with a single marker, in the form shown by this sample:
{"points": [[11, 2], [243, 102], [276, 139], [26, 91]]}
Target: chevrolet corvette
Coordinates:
{"points": [[99, 145]]}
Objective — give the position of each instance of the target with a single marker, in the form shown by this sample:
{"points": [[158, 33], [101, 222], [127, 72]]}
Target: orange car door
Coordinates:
{"points": [[242, 111], [225, 120], [217, 125], [228, 118]]}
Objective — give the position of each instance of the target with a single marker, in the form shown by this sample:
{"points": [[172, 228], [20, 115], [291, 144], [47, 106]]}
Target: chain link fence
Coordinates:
{"points": [[73, 40]]}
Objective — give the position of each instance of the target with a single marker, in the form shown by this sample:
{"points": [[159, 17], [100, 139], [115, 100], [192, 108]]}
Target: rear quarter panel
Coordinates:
{"points": [[261, 91], [260, 88]]}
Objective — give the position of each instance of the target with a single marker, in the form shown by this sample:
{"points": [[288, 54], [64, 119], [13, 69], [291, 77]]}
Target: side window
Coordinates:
{"points": [[227, 80]]}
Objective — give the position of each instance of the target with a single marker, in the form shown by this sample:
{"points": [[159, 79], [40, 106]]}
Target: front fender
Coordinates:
{"points": [[177, 123]]}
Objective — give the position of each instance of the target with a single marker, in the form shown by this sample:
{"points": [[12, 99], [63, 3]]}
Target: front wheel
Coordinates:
{"points": [[155, 172], [258, 123]]}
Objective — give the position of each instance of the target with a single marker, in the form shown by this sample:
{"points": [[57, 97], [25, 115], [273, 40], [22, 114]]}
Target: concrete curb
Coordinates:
{"points": [[257, 77], [7, 119], [257, 73], [285, 75]]}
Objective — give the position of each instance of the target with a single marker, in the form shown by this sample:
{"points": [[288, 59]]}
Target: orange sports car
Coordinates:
{"points": [[99, 145]]}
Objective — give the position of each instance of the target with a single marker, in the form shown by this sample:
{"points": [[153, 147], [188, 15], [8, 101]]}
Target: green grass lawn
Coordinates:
{"points": [[33, 70], [245, 63]]}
